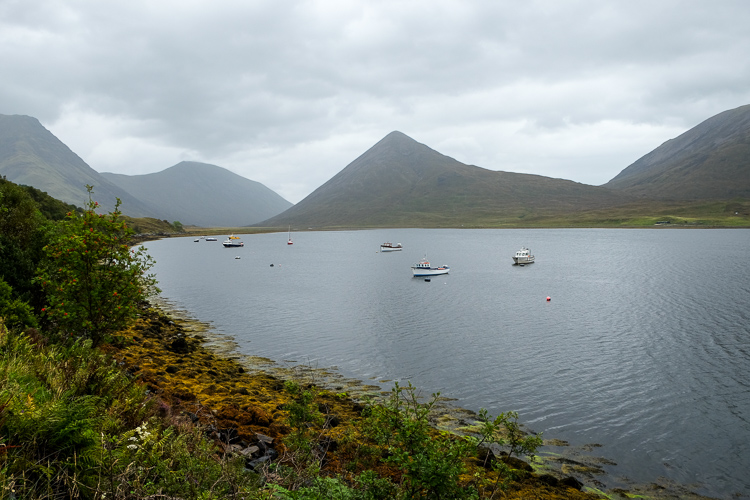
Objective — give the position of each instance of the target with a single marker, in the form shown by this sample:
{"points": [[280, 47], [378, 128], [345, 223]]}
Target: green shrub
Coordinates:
{"points": [[93, 280], [14, 312], [430, 462]]}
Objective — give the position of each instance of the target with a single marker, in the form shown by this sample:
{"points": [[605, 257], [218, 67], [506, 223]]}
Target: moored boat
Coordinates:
{"points": [[390, 247], [232, 241], [289, 238], [211, 239], [523, 256], [423, 268]]}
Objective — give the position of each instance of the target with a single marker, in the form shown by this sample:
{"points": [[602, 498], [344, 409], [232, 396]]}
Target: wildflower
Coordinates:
{"points": [[132, 446]]}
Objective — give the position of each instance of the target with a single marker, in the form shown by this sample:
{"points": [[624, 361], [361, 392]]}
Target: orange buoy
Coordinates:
{"points": [[548, 298]]}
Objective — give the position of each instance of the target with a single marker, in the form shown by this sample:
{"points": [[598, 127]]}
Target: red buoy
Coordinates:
{"points": [[548, 299]]}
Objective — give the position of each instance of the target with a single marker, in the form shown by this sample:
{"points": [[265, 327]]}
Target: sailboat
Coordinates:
{"points": [[289, 241]]}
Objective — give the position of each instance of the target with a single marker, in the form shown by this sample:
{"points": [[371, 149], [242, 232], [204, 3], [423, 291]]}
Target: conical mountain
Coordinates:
{"points": [[31, 155], [709, 161], [202, 194], [401, 182]]}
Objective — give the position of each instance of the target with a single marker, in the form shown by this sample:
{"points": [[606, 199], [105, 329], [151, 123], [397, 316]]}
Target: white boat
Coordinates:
{"points": [[523, 256], [289, 241], [423, 268], [211, 239], [232, 241], [390, 247]]}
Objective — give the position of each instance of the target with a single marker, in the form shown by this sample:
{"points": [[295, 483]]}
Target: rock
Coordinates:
{"points": [[180, 345], [571, 482], [250, 451], [265, 441], [517, 463], [258, 462], [332, 421], [486, 456], [548, 479], [229, 435]]}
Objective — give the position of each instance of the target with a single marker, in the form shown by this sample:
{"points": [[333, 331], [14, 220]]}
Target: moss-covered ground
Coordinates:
{"points": [[237, 396], [222, 394]]}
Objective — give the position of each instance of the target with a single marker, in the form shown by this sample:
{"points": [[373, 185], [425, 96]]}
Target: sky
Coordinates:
{"points": [[287, 93]]}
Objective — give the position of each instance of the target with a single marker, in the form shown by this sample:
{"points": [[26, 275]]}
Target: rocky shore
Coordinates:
{"points": [[241, 407]]}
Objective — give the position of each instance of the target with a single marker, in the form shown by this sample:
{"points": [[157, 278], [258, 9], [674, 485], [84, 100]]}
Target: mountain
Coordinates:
{"points": [[203, 195], [709, 161], [32, 156], [400, 182], [192, 193]]}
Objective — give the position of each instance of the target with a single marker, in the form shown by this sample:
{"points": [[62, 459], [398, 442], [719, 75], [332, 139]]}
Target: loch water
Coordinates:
{"points": [[643, 347]]}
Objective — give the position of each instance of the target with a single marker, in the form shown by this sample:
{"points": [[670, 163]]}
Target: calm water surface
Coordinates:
{"points": [[643, 348]]}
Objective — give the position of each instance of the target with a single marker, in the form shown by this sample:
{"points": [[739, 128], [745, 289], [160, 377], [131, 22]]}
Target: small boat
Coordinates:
{"points": [[211, 239], [196, 240], [423, 268], [289, 241], [237, 257], [232, 241], [523, 256], [390, 247]]}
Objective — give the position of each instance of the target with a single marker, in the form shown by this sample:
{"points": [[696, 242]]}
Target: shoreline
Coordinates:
{"points": [[200, 373]]}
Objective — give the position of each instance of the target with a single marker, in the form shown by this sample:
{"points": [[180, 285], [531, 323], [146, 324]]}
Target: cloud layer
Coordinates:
{"points": [[287, 93]]}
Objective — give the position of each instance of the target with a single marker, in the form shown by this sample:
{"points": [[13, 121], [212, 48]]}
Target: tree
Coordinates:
{"points": [[92, 278], [23, 233], [14, 312]]}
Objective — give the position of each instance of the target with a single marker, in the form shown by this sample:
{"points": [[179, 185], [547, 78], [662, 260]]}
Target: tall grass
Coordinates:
{"points": [[74, 425]]}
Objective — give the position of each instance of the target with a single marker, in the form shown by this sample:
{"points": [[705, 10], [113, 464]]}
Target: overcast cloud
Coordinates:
{"points": [[288, 93]]}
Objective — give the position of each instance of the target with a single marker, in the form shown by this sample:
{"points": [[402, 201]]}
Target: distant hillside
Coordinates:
{"points": [[192, 193], [203, 195], [709, 161], [32, 156], [400, 182]]}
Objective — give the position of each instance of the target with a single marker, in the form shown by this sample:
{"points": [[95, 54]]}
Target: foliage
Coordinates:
{"points": [[19, 214], [302, 461], [73, 425], [51, 208], [15, 312], [93, 280], [23, 232], [431, 463], [322, 488]]}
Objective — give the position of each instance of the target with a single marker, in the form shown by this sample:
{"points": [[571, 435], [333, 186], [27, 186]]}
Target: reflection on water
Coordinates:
{"points": [[643, 347]]}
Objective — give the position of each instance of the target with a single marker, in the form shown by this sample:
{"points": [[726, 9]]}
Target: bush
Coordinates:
{"points": [[15, 313], [431, 462], [93, 280]]}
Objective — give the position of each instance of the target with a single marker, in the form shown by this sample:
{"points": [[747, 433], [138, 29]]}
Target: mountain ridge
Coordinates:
{"points": [[174, 192], [31, 155], [708, 161], [399, 180]]}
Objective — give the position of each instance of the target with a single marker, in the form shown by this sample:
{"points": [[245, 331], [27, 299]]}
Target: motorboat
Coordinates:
{"points": [[390, 247], [423, 268], [232, 241], [523, 256], [210, 238]]}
